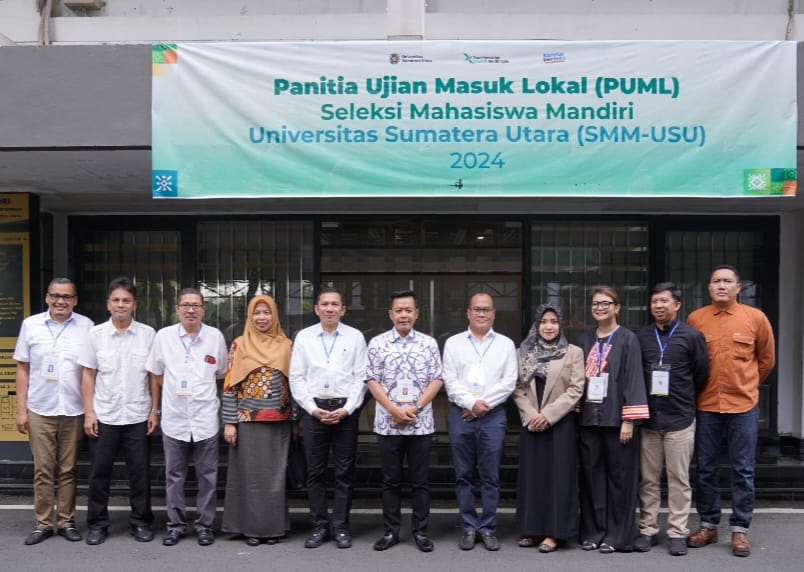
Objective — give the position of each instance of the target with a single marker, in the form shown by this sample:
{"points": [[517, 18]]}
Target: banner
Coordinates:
{"points": [[474, 118]]}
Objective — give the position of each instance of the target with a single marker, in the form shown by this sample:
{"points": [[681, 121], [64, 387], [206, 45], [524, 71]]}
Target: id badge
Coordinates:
{"points": [[50, 367], [326, 387], [404, 392], [660, 379], [184, 387], [476, 379], [596, 389]]}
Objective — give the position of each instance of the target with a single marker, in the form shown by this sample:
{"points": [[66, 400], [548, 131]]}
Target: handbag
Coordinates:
{"points": [[297, 465]]}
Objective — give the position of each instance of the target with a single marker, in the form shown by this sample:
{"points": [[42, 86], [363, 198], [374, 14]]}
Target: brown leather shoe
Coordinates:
{"points": [[702, 537], [739, 544]]}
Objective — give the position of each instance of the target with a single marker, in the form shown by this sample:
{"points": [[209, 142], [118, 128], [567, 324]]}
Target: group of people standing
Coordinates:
{"points": [[594, 417]]}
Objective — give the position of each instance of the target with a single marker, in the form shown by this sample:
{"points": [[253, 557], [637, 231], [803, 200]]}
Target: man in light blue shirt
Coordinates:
{"points": [[480, 372], [327, 380]]}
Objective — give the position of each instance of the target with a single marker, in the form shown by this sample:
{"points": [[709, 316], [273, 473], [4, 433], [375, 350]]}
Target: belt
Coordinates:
{"points": [[329, 403]]}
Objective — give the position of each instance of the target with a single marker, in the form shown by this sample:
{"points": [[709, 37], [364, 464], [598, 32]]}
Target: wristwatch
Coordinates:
{"points": [[419, 408], [157, 411]]}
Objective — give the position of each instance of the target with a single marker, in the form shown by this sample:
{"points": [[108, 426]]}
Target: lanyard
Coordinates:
{"points": [[328, 352], [663, 348], [406, 355], [601, 350], [188, 347], [61, 331], [488, 347]]}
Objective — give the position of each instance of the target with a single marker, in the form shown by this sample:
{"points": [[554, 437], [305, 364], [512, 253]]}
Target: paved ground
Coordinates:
{"points": [[775, 536]]}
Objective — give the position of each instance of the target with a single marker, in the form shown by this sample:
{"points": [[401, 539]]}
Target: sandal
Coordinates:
{"points": [[526, 542], [606, 548], [588, 545], [548, 545]]}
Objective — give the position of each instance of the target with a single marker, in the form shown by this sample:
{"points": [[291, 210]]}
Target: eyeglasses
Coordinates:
{"points": [[65, 297], [605, 304], [481, 311], [186, 307]]}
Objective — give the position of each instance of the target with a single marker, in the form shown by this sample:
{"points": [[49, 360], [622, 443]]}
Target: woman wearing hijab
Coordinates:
{"points": [[614, 399], [256, 411], [551, 381]]}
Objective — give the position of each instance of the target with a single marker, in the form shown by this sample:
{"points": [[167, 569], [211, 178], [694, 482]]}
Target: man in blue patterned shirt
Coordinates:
{"points": [[404, 376]]}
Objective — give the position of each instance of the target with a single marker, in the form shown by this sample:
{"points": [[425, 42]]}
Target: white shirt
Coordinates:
{"points": [[485, 369], [42, 342], [122, 392], [324, 365], [191, 366]]}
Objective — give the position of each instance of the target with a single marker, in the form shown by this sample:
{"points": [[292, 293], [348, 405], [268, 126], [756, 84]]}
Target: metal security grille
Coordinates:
{"points": [[239, 259], [568, 259], [151, 258]]}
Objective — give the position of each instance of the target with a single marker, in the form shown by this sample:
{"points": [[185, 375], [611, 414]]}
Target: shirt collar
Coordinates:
{"points": [[132, 328], [666, 329], [729, 309], [490, 335], [396, 337], [49, 318], [337, 329], [183, 332]]}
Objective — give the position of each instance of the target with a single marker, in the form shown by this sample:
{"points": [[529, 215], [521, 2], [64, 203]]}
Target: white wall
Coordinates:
{"points": [[137, 21]]}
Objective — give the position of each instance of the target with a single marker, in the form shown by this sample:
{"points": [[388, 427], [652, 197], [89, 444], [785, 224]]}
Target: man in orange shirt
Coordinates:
{"points": [[742, 354]]}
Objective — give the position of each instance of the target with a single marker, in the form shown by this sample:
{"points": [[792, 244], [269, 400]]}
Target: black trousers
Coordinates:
{"points": [[609, 486], [132, 443], [319, 440], [393, 451]]}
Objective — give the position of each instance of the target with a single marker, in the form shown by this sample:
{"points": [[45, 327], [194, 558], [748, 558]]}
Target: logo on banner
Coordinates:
{"points": [[164, 184]]}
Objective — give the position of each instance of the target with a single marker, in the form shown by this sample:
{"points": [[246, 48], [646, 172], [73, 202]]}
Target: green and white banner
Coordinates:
{"points": [[474, 118]]}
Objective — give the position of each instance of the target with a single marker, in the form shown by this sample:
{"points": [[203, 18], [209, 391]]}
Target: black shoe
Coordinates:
{"points": [[253, 541], [386, 542], [38, 535], [644, 542], [70, 533], [271, 541], [588, 545], [96, 535], [467, 541], [489, 540], [205, 536], [173, 537], [318, 537], [140, 533], [343, 539], [423, 542], [678, 546]]}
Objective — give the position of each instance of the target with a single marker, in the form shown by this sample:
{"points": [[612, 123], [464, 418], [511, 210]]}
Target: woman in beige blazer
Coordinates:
{"points": [[551, 381]]}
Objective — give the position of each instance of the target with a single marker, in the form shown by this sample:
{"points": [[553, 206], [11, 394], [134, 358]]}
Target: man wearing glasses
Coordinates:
{"points": [[50, 409], [187, 359], [480, 372]]}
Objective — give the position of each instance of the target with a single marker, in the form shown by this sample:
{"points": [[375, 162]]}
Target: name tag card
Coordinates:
{"points": [[660, 380], [597, 388]]}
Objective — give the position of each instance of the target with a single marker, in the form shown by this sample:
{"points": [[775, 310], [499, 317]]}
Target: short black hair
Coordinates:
{"points": [[62, 280], [403, 294], [328, 290], [674, 290], [727, 267], [189, 292], [125, 283]]}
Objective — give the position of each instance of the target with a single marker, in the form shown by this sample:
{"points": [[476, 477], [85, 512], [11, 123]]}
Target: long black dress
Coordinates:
{"points": [[547, 490]]}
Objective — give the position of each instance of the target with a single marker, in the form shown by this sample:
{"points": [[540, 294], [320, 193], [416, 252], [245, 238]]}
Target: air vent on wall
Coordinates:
{"points": [[84, 4]]}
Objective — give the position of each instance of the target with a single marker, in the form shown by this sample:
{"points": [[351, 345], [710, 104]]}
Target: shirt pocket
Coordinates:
{"points": [[107, 362], [743, 347], [137, 360]]}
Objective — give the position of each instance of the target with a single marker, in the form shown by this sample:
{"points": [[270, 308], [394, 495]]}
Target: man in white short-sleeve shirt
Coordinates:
{"points": [[121, 404], [188, 358], [49, 405]]}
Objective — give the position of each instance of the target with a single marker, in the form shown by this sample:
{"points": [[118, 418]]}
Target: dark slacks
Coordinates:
{"points": [[341, 440], [477, 444], [133, 444], [394, 449], [609, 486]]}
